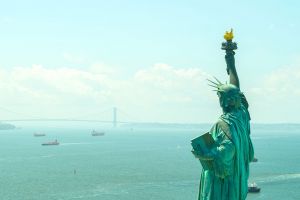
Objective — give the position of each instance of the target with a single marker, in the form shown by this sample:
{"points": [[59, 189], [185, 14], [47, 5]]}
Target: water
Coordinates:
{"points": [[129, 164]]}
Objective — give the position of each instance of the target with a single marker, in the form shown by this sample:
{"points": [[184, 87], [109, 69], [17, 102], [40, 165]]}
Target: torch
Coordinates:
{"points": [[229, 48]]}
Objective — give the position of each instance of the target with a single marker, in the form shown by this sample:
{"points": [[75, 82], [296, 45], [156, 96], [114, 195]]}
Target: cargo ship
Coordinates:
{"points": [[96, 133], [55, 142], [39, 134]]}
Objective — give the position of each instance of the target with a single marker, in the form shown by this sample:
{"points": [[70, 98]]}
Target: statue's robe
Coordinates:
{"points": [[229, 178]]}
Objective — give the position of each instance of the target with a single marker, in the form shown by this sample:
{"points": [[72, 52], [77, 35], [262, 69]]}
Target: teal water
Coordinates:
{"points": [[129, 164]]}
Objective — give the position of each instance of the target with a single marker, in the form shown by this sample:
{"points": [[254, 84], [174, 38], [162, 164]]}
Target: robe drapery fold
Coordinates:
{"points": [[229, 178]]}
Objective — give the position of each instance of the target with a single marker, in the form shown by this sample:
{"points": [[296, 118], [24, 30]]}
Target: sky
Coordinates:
{"points": [[150, 59]]}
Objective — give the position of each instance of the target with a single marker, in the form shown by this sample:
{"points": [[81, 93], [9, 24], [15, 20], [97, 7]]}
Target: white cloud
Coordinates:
{"points": [[160, 93], [171, 84], [281, 83], [277, 96], [103, 69], [41, 91]]}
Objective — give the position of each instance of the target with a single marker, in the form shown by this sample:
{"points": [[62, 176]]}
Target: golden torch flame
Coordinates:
{"points": [[228, 35]]}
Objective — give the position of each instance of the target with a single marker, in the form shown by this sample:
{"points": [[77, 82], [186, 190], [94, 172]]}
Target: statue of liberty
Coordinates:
{"points": [[232, 150]]}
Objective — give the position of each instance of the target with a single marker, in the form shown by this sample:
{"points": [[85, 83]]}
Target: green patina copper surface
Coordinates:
{"points": [[228, 180]]}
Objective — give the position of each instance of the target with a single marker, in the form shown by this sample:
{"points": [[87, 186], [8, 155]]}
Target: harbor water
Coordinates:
{"points": [[128, 163]]}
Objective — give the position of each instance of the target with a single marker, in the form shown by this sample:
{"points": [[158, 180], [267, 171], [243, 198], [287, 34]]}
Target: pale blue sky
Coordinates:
{"points": [[121, 39]]}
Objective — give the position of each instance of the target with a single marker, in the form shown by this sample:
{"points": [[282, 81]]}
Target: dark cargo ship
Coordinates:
{"points": [[96, 133], [55, 142]]}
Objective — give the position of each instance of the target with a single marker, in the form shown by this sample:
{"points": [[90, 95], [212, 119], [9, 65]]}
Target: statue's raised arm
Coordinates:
{"points": [[229, 47]]}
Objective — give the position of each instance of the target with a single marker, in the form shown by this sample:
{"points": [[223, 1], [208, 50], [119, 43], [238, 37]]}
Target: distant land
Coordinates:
{"points": [[276, 126], [6, 126], [167, 125]]}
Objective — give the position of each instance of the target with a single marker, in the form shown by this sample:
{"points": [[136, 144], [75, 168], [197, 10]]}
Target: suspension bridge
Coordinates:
{"points": [[114, 120]]}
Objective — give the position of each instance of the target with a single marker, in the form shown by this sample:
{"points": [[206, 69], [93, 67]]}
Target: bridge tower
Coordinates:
{"points": [[114, 117]]}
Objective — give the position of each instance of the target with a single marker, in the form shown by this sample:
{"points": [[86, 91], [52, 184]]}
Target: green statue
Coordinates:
{"points": [[233, 150]]}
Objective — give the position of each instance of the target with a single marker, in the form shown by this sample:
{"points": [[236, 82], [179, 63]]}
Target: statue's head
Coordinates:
{"points": [[229, 96]]}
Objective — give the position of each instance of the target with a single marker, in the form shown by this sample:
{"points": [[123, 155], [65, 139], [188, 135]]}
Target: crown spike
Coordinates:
{"points": [[213, 86], [218, 80], [213, 82]]}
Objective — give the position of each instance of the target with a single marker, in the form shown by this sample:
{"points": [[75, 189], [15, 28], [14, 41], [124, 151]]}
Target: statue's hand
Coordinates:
{"points": [[203, 156]]}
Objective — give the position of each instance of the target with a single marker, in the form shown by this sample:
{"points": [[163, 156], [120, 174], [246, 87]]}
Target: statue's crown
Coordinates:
{"points": [[227, 88]]}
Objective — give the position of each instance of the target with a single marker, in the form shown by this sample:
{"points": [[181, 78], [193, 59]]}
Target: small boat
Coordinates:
{"points": [[254, 159], [39, 134], [252, 188], [55, 142], [96, 133]]}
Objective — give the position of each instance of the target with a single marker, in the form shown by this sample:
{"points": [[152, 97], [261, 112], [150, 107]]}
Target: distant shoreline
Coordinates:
{"points": [[201, 125]]}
